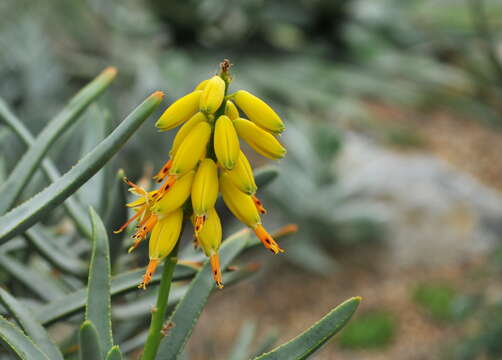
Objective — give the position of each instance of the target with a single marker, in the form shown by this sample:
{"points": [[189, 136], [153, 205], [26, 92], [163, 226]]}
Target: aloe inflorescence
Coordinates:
{"points": [[205, 160]]}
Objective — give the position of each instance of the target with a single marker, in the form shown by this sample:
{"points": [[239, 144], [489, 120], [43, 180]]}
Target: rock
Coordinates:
{"points": [[435, 214]]}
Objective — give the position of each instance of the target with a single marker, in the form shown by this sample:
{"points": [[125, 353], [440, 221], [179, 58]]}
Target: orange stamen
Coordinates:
{"points": [[150, 270], [128, 222], [286, 230], [164, 171], [145, 227], [259, 205], [137, 188], [199, 223], [266, 239], [215, 265]]}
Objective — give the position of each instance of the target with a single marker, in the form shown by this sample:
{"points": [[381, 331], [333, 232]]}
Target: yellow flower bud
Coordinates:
{"points": [[226, 143], [242, 175], [209, 236], [180, 111], [175, 197], [258, 111], [191, 149], [205, 187], [212, 95], [209, 239], [244, 208], [201, 85], [240, 204], [185, 130], [260, 140], [165, 235], [231, 110]]}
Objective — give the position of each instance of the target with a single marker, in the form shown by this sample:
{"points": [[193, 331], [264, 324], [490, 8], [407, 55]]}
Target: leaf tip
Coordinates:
{"points": [[158, 94], [110, 72]]}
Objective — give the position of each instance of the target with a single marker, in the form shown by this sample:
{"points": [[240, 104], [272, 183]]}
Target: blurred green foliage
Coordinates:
{"points": [[370, 330]]}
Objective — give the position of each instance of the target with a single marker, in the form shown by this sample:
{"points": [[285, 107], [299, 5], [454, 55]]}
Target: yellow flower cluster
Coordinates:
{"points": [[205, 160]]}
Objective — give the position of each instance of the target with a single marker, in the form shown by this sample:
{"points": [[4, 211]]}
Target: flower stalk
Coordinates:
{"points": [[159, 311]]}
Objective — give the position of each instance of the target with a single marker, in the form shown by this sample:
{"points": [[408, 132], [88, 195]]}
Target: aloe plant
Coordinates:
{"points": [[72, 278]]}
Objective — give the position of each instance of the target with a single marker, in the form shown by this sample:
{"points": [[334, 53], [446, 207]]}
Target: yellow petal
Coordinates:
{"points": [[165, 235], [176, 196], [180, 111], [185, 130], [191, 149], [205, 187], [242, 175], [231, 110], [240, 204], [210, 235], [212, 95], [201, 85], [258, 111], [260, 140], [226, 143]]}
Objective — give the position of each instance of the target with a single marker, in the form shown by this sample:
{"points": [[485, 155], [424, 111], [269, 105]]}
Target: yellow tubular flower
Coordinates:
{"points": [[204, 191], [190, 152], [201, 85], [209, 239], [180, 111], [242, 175], [231, 110], [212, 95], [191, 149], [226, 143], [259, 112], [185, 130], [260, 140], [244, 209], [176, 196], [164, 236]]}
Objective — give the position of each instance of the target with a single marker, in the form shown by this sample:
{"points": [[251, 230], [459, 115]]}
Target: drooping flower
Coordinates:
{"points": [[204, 160]]}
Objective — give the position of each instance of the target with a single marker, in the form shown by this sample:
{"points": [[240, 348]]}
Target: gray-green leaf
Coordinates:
{"points": [[28, 213], [21, 174], [71, 205], [31, 327], [313, 338], [98, 308], [19, 343], [90, 346]]}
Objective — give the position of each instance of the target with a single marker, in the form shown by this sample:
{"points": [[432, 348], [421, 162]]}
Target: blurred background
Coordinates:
{"points": [[394, 135]]}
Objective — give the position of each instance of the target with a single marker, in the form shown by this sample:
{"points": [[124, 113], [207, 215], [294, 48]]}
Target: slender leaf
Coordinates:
{"points": [[20, 344], [98, 307], [266, 344], [37, 236], [120, 284], [114, 353], [190, 307], [265, 175], [313, 338], [37, 283], [28, 213], [21, 174], [241, 346], [117, 215], [90, 346], [32, 328], [94, 191], [72, 206]]}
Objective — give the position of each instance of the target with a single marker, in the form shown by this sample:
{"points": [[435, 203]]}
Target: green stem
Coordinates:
{"points": [[159, 313]]}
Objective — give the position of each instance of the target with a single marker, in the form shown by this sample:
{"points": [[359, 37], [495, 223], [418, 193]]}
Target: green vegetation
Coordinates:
{"points": [[371, 330]]}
